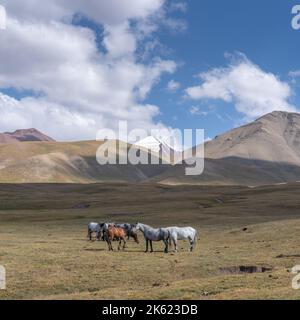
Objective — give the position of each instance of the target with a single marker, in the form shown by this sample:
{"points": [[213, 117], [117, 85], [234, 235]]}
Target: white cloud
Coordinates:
{"points": [[253, 91], [119, 41], [173, 85], [195, 110], [64, 123], [79, 88], [179, 6], [294, 74], [111, 12]]}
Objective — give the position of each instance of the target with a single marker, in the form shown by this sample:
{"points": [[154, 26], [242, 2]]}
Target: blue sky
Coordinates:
{"points": [[69, 69], [259, 29]]}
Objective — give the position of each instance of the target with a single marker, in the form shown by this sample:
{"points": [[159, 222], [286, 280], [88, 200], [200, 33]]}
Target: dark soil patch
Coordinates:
{"points": [[81, 206], [244, 269], [288, 256]]}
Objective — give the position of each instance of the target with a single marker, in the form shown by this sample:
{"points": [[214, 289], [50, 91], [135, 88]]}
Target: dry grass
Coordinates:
{"points": [[46, 254]]}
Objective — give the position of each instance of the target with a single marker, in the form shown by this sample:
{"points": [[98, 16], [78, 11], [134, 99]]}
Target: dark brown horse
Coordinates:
{"points": [[133, 234], [115, 233]]}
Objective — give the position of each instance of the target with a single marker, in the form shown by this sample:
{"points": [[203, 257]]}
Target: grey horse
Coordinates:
{"points": [[100, 229], [151, 234], [94, 227]]}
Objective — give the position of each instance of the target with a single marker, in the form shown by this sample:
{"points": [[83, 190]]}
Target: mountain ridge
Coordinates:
{"points": [[274, 137], [24, 135]]}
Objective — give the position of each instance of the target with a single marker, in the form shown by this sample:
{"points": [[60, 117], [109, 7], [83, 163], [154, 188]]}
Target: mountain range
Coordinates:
{"points": [[266, 151]]}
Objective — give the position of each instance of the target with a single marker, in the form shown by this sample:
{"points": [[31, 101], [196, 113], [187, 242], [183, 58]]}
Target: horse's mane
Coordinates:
{"points": [[146, 225], [149, 227]]}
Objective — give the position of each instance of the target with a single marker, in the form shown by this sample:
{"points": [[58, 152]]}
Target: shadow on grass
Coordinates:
{"points": [[93, 249], [143, 251]]}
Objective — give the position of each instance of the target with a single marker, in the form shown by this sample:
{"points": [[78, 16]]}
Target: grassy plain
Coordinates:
{"points": [[44, 248]]}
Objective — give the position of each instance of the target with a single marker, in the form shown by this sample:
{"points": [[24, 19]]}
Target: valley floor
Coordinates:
{"points": [[44, 248]]}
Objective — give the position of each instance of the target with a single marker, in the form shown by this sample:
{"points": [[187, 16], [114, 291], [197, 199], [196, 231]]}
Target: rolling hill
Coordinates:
{"points": [[266, 151], [65, 162]]}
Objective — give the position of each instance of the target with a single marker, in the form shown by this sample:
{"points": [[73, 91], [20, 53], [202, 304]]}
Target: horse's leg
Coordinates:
{"points": [[175, 244], [136, 239], [120, 242], [111, 247], [166, 242], [110, 240], [191, 244], [108, 243], [146, 245], [151, 246], [124, 240], [170, 242]]}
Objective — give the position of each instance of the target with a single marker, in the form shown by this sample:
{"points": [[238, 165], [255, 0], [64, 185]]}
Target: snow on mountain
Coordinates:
{"points": [[165, 147]]}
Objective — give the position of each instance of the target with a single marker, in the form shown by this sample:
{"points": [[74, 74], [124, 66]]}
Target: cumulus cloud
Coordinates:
{"points": [[253, 91], [57, 119], [111, 12], [173, 85], [77, 87]]}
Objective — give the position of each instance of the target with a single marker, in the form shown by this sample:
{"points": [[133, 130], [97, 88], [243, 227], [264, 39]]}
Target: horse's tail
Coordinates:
{"points": [[195, 238], [169, 238]]}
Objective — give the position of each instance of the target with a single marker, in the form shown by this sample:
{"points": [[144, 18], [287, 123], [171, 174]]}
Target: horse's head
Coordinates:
{"points": [[137, 226]]}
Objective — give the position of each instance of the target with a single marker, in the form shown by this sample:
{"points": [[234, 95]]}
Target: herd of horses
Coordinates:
{"points": [[122, 232]]}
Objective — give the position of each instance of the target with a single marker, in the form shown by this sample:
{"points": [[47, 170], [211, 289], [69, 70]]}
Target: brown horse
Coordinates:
{"points": [[115, 233]]}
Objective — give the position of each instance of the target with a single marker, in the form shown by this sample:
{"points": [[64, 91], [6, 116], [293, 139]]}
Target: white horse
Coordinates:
{"points": [[151, 234], [177, 233]]}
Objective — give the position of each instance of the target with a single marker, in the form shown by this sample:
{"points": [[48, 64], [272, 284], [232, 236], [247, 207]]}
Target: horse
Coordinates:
{"points": [[104, 227], [118, 233], [94, 227], [132, 233], [130, 230], [151, 234], [177, 233]]}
